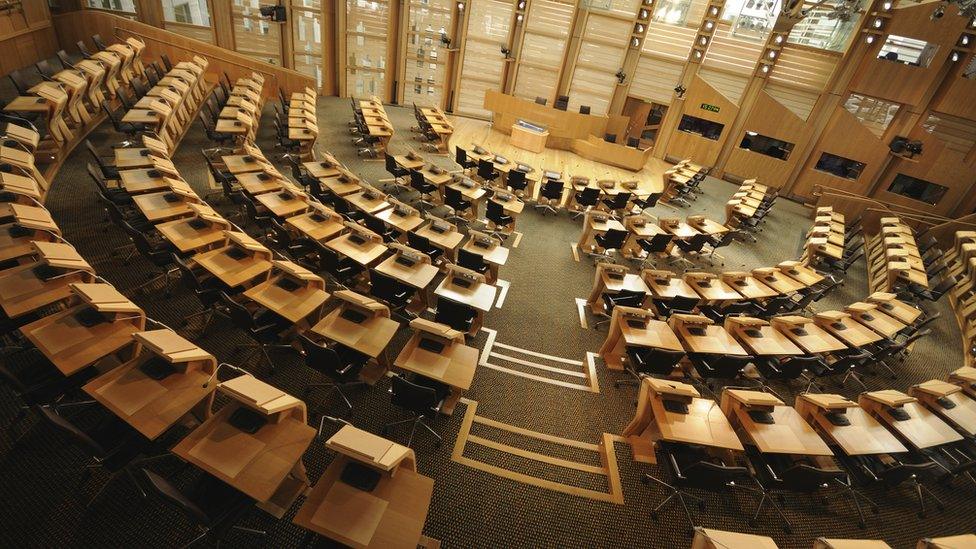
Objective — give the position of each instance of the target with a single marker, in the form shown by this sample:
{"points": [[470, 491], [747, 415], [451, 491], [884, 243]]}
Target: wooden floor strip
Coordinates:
{"points": [[540, 355], [553, 369], [540, 436], [543, 379], [535, 456]]}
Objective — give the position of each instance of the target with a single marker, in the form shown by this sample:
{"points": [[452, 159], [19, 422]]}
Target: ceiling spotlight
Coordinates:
{"points": [[709, 25], [886, 6], [877, 23], [955, 56], [870, 39], [765, 68], [772, 54], [778, 39]]}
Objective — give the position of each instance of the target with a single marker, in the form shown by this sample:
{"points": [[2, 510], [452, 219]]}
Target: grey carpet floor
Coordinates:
{"points": [[43, 504]]}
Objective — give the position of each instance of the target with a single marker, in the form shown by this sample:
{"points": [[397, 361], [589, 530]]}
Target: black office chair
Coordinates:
{"points": [[158, 252], [648, 361], [610, 138], [647, 203], [584, 109], [517, 182], [607, 242], [422, 399], [891, 472], [110, 444], [472, 261], [166, 62], [461, 158], [130, 129], [220, 138], [692, 467], [690, 247], [341, 364], [65, 59], [454, 200], [262, 326], [83, 49], [720, 368], [585, 200], [391, 291], [46, 70], [552, 193], [109, 171], [398, 172], [486, 170], [624, 298], [341, 269], [654, 247], [716, 242], [678, 304], [456, 315], [419, 183], [115, 194], [891, 350], [781, 473], [139, 88], [206, 290], [422, 244], [127, 102], [805, 367], [39, 382], [283, 242], [495, 213], [617, 204], [99, 43], [212, 506], [847, 362]]}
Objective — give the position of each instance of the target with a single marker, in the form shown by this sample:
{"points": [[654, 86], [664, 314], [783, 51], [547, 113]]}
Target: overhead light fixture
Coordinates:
{"points": [[870, 39], [778, 39], [709, 25], [765, 69], [955, 56], [877, 23], [772, 54], [886, 6]]}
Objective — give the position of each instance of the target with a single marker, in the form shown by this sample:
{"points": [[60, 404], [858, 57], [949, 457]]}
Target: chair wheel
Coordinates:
{"points": [[861, 523]]}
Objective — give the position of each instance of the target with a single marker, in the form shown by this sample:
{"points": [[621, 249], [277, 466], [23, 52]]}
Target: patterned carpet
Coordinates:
{"points": [[43, 504]]}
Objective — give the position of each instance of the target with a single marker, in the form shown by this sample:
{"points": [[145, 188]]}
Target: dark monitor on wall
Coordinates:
{"points": [[766, 145], [699, 126], [839, 166]]}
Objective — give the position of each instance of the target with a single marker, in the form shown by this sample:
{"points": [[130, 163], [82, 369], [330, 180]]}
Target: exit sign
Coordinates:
{"points": [[709, 108]]}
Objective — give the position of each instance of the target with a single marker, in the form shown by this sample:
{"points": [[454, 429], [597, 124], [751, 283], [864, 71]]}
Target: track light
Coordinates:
{"points": [[954, 57], [869, 39]]}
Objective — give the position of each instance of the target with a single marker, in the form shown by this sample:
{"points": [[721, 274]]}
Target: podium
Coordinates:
{"points": [[527, 139]]}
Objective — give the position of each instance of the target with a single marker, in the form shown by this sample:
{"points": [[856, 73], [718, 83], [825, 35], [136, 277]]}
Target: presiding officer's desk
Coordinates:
{"points": [[614, 154]]}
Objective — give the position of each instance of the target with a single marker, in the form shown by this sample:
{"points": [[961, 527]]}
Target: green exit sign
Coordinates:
{"points": [[709, 108]]}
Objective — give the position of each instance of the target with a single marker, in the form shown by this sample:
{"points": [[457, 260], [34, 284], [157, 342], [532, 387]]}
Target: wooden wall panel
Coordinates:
{"points": [[844, 136], [959, 97], [82, 24], [771, 118], [26, 36], [688, 145]]}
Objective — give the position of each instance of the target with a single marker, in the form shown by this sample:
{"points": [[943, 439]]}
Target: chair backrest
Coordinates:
{"points": [[19, 82], [239, 315], [495, 211], [77, 436], [516, 180], [776, 304], [614, 239], [849, 360], [707, 475], [893, 476], [589, 196], [454, 314], [471, 260], [653, 361], [683, 303], [652, 199], [624, 298], [85, 52], [610, 138], [794, 366], [553, 189], [174, 497], [64, 59], [486, 169], [323, 359], [738, 308], [806, 479], [97, 177], [659, 243], [44, 67], [166, 62], [460, 156], [417, 180], [391, 165], [99, 43], [620, 200], [411, 396], [417, 242], [724, 367]]}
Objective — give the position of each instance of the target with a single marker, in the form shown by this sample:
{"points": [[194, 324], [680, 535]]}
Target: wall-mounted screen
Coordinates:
{"points": [[917, 189], [700, 126], [840, 166], [766, 145]]}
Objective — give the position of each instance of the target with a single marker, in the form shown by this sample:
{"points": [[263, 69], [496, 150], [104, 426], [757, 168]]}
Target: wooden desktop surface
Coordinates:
{"points": [[369, 337], [230, 271], [293, 306], [71, 346]]}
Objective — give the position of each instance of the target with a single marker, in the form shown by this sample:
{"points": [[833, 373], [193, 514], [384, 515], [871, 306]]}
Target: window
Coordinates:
{"points": [[818, 30], [750, 19], [367, 27], [673, 12], [254, 36], [840, 166], [307, 36], [917, 189], [126, 6], [908, 51], [425, 57], [188, 17], [876, 114], [546, 33], [970, 70], [700, 126], [766, 145]]}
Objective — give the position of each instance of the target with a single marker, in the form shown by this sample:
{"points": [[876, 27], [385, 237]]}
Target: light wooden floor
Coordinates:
{"points": [[469, 132]]}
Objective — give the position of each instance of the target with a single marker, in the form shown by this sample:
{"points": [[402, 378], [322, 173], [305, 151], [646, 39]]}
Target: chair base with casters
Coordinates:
{"points": [[414, 420], [674, 494], [333, 387], [848, 490]]}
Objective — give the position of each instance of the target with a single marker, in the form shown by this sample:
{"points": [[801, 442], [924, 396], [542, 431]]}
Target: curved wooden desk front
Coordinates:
{"points": [[597, 149], [564, 126]]}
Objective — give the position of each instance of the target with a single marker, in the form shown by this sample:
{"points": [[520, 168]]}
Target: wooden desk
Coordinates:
{"points": [[715, 339], [319, 169], [646, 332], [707, 226], [788, 434], [706, 538], [563, 126], [679, 230], [454, 366], [419, 275], [898, 309], [259, 464], [395, 219], [712, 289], [808, 336], [392, 515], [153, 406], [922, 430], [315, 225], [871, 316], [138, 181], [667, 288], [479, 295], [773, 278], [447, 240], [933, 393], [283, 204], [365, 254], [72, 346], [22, 291], [257, 183], [369, 204], [294, 306], [703, 425], [127, 158], [864, 436], [847, 330], [234, 272], [596, 223], [370, 337], [156, 208], [761, 339], [802, 274]]}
